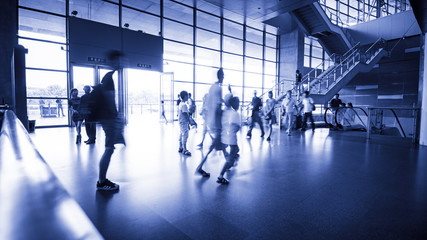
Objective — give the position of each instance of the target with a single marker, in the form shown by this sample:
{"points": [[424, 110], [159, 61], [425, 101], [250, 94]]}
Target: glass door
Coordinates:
{"points": [[142, 98], [167, 95]]}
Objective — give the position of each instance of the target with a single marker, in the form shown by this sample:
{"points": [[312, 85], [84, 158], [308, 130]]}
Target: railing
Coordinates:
{"points": [[346, 118], [34, 204], [406, 122], [349, 60]]}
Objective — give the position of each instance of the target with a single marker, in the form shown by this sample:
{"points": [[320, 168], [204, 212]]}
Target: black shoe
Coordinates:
{"points": [[203, 173], [107, 185], [249, 135], [180, 150], [222, 180], [87, 141], [90, 142], [79, 139], [262, 135], [268, 139]]}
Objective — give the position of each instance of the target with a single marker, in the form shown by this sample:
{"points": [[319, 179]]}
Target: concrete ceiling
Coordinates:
{"points": [[259, 10]]}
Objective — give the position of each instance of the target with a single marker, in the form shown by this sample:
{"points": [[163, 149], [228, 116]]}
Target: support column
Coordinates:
{"points": [[422, 92], [291, 53], [8, 40]]}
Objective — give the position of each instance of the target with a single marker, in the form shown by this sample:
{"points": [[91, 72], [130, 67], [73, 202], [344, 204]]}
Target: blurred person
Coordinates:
{"points": [[191, 105], [178, 101], [214, 119], [74, 106], [41, 105], [289, 105], [256, 105], [59, 105], [162, 111], [335, 102], [203, 113], [231, 125], [308, 109], [298, 83], [270, 114], [184, 121], [104, 109], [85, 111]]}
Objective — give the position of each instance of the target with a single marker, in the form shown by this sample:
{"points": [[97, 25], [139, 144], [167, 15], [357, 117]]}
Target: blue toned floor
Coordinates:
{"points": [[321, 185]]}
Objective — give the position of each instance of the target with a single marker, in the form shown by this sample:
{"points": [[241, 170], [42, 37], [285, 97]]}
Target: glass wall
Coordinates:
{"points": [[351, 12], [197, 42]]}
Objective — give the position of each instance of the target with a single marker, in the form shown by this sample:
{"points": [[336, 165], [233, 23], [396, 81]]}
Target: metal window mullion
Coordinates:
{"points": [[194, 51], [263, 58], [244, 62]]}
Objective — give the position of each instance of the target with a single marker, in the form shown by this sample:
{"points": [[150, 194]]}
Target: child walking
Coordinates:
{"points": [[184, 121], [230, 127]]}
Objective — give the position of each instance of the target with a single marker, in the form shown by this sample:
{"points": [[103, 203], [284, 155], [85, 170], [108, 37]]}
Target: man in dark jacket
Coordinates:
{"points": [[256, 107], [85, 111]]}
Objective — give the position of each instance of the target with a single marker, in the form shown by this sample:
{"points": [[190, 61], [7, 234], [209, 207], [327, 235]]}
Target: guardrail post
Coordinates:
{"points": [[368, 131]]}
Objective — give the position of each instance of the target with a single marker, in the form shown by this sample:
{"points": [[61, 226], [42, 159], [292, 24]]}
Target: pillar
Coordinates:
{"points": [[422, 92], [8, 40], [291, 52]]}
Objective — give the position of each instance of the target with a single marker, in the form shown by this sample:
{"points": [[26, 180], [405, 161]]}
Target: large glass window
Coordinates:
{"points": [[208, 21], [54, 6], [253, 50], [206, 74], [44, 55], [233, 29], [178, 32], [41, 26], [232, 61], [152, 6], [233, 45], [254, 35], [177, 52], [207, 57], [178, 12], [207, 39], [96, 10], [140, 21]]}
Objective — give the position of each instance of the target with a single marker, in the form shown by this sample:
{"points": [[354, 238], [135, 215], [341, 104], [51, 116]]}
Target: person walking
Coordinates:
{"points": [[204, 113], [104, 110], [308, 104], [85, 111], [214, 118], [59, 106], [289, 105], [74, 106], [256, 108], [231, 125], [270, 114], [184, 121]]}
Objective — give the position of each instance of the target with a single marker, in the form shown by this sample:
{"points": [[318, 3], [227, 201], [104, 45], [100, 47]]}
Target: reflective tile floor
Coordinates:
{"points": [[322, 185]]}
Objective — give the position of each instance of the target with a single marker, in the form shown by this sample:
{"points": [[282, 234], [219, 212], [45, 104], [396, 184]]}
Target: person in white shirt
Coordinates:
{"points": [[289, 105], [184, 121], [308, 104], [230, 126]]}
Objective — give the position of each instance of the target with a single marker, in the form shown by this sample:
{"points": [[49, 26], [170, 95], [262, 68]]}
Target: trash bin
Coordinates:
{"points": [[31, 125]]}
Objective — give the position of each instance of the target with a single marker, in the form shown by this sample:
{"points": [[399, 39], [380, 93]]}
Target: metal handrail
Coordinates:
{"points": [[336, 111], [395, 116], [377, 41]]}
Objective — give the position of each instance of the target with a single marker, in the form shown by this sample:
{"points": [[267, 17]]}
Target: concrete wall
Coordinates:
{"points": [[393, 82], [8, 40], [391, 27]]}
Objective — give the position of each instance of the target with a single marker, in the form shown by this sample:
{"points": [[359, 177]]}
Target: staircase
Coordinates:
{"points": [[324, 86], [314, 22]]}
